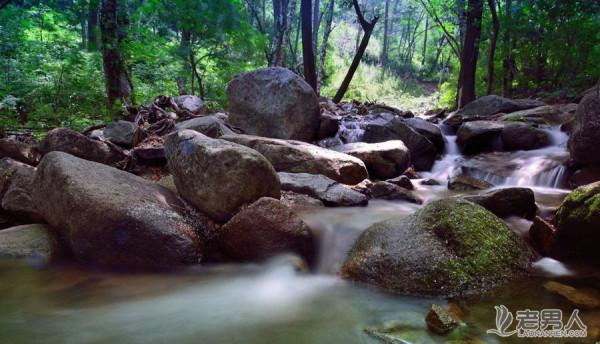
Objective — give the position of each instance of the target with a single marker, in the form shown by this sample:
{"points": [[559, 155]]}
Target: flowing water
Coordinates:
{"points": [[274, 302]]}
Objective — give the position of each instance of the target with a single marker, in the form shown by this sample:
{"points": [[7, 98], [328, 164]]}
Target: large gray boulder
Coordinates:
{"points": [[450, 247], [508, 202], [484, 108], [190, 103], [121, 133], [265, 229], [36, 243], [16, 180], [211, 126], [521, 136], [274, 102], [327, 190], [112, 218], [547, 114], [81, 146], [422, 151], [384, 160], [429, 130], [480, 136], [301, 157], [218, 176], [584, 139]]}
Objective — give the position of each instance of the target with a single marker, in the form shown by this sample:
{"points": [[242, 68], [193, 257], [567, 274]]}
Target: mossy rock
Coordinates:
{"points": [[448, 248], [578, 223]]}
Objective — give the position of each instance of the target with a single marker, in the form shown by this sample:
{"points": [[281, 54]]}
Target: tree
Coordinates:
{"points": [[92, 25], [326, 33], [368, 30], [113, 25], [308, 55], [470, 51], [280, 18], [493, 40], [384, 50]]}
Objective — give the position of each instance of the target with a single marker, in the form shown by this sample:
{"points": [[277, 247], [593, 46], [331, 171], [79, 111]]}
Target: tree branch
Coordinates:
{"points": [[451, 39]]}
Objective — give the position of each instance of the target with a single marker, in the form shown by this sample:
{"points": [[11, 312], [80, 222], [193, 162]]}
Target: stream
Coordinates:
{"points": [[275, 302]]}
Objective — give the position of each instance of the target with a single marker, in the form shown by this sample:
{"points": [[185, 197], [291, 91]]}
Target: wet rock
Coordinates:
{"points": [[430, 182], [150, 155], [480, 136], [211, 126], [16, 181], [391, 192], [74, 143], [36, 243], [24, 152], [508, 202], [584, 140], [329, 125], [402, 181], [520, 136], [463, 182], [422, 151], [542, 237], [582, 298], [301, 157], [111, 218], [190, 103], [395, 332], [7, 220], [383, 160], [585, 175], [440, 321], [120, 133], [548, 114], [449, 247], [578, 223], [274, 102], [429, 130], [300, 202], [487, 106], [323, 188], [265, 229], [218, 176]]}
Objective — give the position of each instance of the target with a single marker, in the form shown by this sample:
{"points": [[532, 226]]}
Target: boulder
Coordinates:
{"points": [[300, 202], [450, 247], [508, 202], [542, 237], [402, 181], [584, 139], [520, 136], [81, 146], [218, 176], [274, 102], [429, 130], [479, 136], [327, 190], [391, 192], [16, 181], [423, 153], [111, 218], [463, 182], [150, 155], [440, 320], [189, 103], [301, 157], [20, 151], [36, 243], [585, 175], [578, 223], [329, 125], [211, 126], [120, 133], [383, 160], [487, 106], [265, 229], [548, 114]]}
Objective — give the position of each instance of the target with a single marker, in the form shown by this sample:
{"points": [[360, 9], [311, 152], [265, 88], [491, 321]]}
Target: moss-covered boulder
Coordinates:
{"points": [[450, 247], [578, 223]]}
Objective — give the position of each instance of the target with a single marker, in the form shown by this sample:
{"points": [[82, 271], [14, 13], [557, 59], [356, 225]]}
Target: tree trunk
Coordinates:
{"points": [[280, 26], [308, 55], [468, 61], [185, 51], [288, 29], [83, 23], [425, 41], [508, 65], [494, 39], [316, 24], [384, 51], [113, 26], [92, 22], [368, 29], [326, 33]]}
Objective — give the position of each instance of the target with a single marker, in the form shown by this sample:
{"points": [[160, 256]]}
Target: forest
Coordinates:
{"points": [[299, 171], [54, 53]]}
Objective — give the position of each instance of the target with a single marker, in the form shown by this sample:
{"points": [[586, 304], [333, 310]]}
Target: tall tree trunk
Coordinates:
{"points": [[83, 23], [316, 24], [308, 55], [288, 29], [494, 39], [326, 33], [185, 50], [113, 26], [92, 22], [280, 25], [384, 51], [468, 61], [508, 65], [368, 29], [425, 41]]}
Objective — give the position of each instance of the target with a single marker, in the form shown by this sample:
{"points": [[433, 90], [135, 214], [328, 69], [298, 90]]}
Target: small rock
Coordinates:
{"points": [[325, 189], [190, 103], [520, 136], [430, 182], [480, 136], [391, 192], [120, 133], [467, 183], [542, 236], [584, 298], [329, 125], [211, 126], [16, 181], [300, 202], [35, 242], [24, 152], [440, 321], [508, 202], [383, 160], [402, 181]]}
